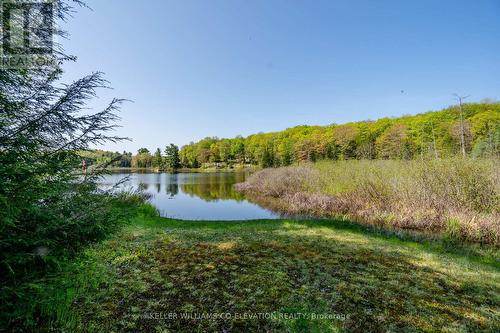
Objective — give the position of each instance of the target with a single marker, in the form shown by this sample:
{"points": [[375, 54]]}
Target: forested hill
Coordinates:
{"points": [[428, 135], [431, 134]]}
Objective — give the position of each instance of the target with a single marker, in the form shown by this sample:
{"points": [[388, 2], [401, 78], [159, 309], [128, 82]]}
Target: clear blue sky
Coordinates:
{"points": [[197, 68]]}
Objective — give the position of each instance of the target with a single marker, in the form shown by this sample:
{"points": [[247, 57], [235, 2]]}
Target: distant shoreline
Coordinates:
{"points": [[187, 170]]}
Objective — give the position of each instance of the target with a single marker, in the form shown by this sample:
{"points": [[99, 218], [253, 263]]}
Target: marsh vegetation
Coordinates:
{"points": [[457, 198]]}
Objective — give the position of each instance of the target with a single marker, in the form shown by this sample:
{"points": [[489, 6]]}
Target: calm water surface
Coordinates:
{"points": [[195, 196]]}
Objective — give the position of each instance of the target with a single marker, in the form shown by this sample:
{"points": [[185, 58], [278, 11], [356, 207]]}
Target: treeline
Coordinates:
{"points": [[473, 129], [429, 135], [166, 160], [102, 157]]}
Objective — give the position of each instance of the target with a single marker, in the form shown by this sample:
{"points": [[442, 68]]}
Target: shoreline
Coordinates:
{"points": [[187, 170]]}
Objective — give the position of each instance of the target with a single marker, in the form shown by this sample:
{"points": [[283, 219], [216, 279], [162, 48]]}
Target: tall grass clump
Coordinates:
{"points": [[279, 182], [457, 197]]}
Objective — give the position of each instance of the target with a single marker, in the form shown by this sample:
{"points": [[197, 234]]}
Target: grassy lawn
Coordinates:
{"points": [[296, 276]]}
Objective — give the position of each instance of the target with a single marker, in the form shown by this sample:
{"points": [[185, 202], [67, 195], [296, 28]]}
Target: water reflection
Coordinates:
{"points": [[213, 186], [195, 196], [172, 189]]}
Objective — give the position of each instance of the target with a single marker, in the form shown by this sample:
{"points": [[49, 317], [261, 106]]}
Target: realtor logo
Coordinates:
{"points": [[27, 29]]}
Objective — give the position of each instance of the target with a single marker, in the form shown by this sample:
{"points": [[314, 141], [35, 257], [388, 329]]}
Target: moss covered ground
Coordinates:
{"points": [[162, 275]]}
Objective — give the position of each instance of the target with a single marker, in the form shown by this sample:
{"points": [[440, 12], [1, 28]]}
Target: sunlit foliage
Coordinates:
{"points": [[431, 134]]}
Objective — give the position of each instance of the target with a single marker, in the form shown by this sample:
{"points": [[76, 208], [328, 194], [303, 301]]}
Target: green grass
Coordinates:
{"points": [[355, 278]]}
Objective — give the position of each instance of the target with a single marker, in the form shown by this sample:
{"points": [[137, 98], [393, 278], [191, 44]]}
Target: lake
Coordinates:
{"points": [[194, 196]]}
